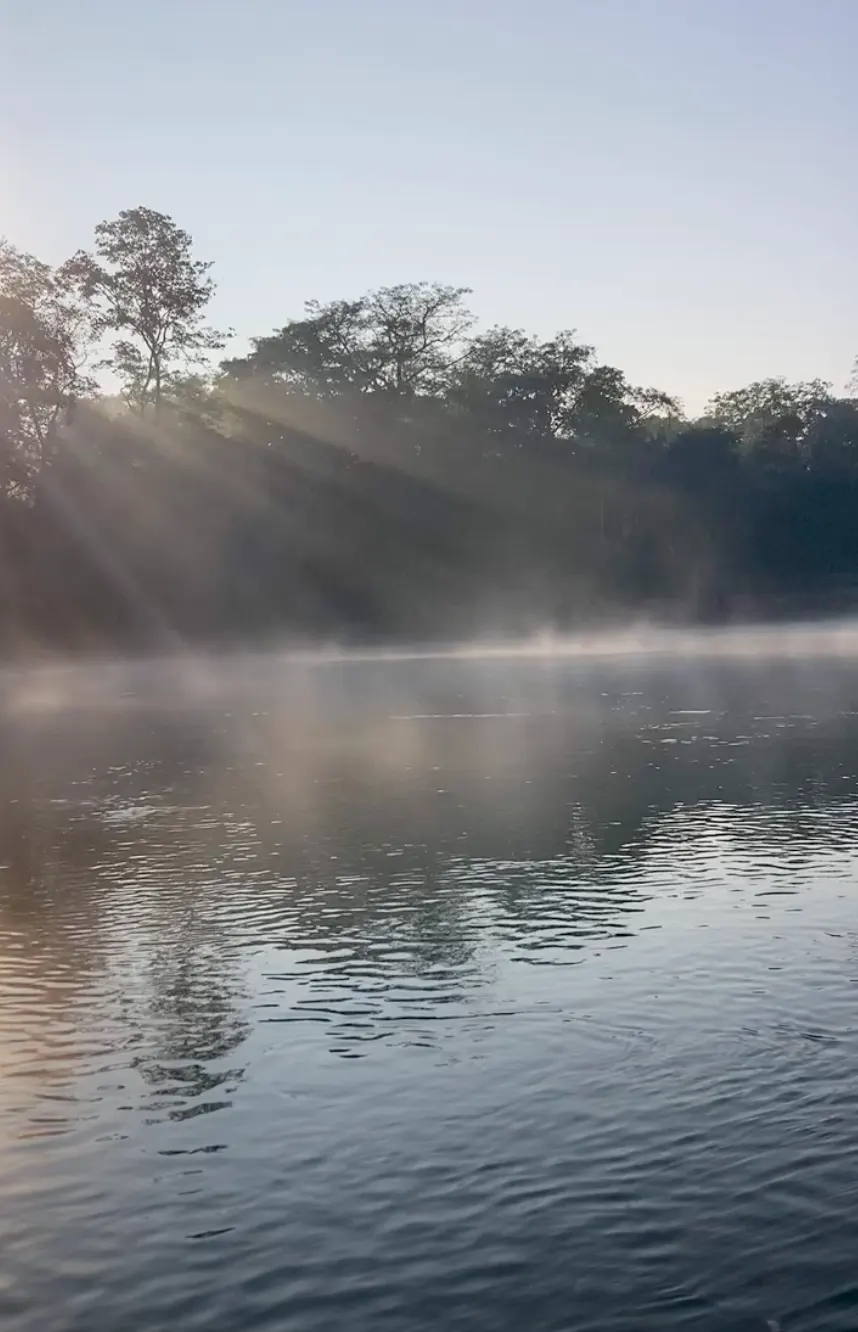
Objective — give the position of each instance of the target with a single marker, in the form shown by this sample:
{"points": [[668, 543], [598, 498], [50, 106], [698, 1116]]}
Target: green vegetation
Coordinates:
{"points": [[376, 468]]}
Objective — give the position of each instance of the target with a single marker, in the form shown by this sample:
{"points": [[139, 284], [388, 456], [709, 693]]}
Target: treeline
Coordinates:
{"points": [[377, 468]]}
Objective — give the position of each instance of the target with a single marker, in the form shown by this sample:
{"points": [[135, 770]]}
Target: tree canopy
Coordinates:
{"points": [[377, 466]]}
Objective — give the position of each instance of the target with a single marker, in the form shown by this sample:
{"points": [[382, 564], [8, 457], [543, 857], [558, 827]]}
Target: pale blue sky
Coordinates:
{"points": [[673, 178]]}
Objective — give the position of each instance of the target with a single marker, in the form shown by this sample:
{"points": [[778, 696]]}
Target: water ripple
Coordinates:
{"points": [[431, 994]]}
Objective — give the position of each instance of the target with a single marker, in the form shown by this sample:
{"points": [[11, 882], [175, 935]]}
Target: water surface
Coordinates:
{"points": [[413, 994]]}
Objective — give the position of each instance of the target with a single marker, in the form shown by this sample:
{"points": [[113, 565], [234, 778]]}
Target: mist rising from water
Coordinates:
{"points": [[197, 676]]}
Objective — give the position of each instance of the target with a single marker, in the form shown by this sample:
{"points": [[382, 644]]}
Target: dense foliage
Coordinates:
{"points": [[376, 468]]}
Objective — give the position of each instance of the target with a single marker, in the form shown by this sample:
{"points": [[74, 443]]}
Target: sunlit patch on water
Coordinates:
{"points": [[128, 814]]}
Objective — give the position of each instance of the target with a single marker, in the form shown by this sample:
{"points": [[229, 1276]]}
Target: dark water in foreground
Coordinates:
{"points": [[327, 1003]]}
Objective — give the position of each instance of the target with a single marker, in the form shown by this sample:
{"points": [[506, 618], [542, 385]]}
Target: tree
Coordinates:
{"points": [[396, 341], [523, 389], [150, 294], [516, 386], [416, 332], [773, 418], [44, 331]]}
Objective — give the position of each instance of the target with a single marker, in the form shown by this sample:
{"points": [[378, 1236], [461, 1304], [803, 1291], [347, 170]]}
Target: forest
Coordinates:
{"points": [[379, 468]]}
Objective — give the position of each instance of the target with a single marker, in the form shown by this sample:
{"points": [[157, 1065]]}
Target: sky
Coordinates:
{"points": [[674, 179]]}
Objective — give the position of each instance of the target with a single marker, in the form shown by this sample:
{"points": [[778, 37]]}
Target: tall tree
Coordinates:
{"points": [[44, 332], [151, 296]]}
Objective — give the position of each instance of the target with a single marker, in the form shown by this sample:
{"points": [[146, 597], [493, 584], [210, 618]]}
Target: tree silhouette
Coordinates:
{"points": [[379, 467], [43, 341], [150, 296]]}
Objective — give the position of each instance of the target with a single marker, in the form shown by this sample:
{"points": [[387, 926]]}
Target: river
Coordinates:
{"points": [[513, 994]]}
